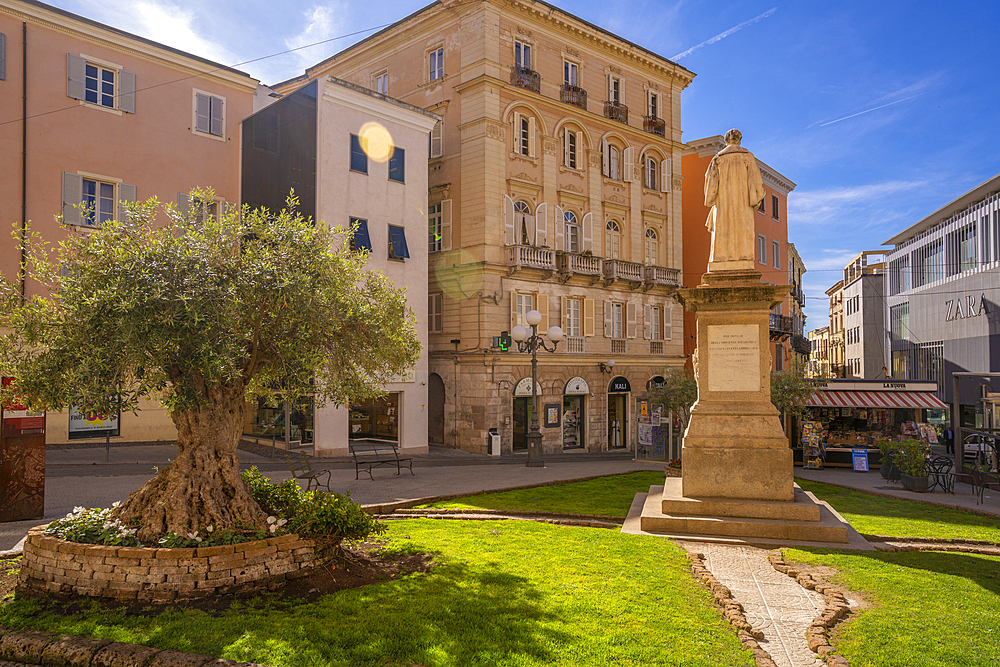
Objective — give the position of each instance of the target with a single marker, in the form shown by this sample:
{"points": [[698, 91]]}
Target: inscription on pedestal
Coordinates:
{"points": [[733, 357]]}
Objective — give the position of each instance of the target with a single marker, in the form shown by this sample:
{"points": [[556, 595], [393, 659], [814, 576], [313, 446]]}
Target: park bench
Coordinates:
{"points": [[369, 455], [981, 477], [301, 468]]}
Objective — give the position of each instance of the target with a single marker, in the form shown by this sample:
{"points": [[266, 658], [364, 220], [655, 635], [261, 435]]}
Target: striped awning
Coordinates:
{"points": [[875, 399]]}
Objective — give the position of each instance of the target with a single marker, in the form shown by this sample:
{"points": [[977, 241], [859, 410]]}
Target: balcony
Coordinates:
{"points": [[527, 256], [661, 275], [582, 265], [654, 125], [619, 269], [616, 111], [799, 295], [574, 95], [522, 77], [781, 327], [574, 344], [801, 344]]}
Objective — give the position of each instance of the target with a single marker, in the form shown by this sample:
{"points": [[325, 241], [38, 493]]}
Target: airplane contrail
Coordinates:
{"points": [[867, 111], [723, 35]]}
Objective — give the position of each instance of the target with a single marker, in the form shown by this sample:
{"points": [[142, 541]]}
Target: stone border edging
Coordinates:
{"points": [[50, 649], [912, 500], [732, 611], [835, 609], [559, 515], [561, 520], [932, 540]]}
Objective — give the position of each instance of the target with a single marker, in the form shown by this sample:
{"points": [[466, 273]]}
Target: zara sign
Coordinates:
{"points": [[970, 306]]}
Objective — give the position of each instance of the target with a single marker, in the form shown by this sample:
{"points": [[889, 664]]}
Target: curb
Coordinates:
{"points": [[835, 610], [912, 500]]}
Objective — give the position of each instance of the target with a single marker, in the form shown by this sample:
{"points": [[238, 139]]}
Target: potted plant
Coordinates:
{"points": [[887, 448], [911, 458]]}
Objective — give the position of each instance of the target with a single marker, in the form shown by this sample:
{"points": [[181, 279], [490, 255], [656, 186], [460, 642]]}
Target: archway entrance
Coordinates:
{"points": [[522, 412], [435, 409]]}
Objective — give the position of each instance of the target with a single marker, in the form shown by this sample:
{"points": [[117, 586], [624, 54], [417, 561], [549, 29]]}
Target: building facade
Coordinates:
{"points": [[103, 117], [553, 185], [836, 303], [943, 286], [771, 253], [799, 345], [865, 344], [819, 355], [356, 160]]}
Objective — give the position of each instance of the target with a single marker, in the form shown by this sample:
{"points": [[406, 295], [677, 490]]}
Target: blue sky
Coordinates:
{"points": [[880, 111]]}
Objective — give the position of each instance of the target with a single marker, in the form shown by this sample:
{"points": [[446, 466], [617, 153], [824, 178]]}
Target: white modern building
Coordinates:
{"points": [[353, 157]]}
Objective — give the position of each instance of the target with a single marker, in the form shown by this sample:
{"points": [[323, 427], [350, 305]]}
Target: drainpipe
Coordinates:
{"points": [[24, 159]]}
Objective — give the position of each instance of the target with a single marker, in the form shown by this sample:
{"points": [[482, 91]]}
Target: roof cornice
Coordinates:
{"points": [[970, 198]]}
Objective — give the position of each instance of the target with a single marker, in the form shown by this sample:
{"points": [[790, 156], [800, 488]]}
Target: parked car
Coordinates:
{"points": [[976, 444]]}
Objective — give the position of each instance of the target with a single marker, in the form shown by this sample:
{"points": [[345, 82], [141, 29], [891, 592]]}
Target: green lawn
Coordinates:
{"points": [[507, 593], [607, 496], [931, 609], [877, 515]]}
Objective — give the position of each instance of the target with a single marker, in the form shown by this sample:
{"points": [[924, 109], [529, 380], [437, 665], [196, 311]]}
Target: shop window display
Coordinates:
{"points": [[268, 420], [573, 422], [375, 419]]}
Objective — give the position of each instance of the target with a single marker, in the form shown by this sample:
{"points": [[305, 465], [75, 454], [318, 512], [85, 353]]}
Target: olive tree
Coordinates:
{"points": [[203, 315], [677, 394]]}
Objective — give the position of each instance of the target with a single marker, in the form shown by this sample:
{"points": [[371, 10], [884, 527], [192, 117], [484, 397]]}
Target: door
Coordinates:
{"points": [[435, 414], [617, 421], [522, 417]]}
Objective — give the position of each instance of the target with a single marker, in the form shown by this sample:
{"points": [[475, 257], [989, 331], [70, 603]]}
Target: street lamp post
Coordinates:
{"points": [[529, 341]]}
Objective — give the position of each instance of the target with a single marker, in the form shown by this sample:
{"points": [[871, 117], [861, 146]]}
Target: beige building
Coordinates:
{"points": [[836, 296], [799, 347], [819, 356], [553, 185]]}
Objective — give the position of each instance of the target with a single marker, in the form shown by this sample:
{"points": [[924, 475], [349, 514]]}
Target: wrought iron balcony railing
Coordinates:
{"points": [[574, 95], [616, 111], [654, 125], [522, 77]]}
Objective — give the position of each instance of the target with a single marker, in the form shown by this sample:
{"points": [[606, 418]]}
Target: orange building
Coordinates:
{"points": [[92, 114], [771, 255]]}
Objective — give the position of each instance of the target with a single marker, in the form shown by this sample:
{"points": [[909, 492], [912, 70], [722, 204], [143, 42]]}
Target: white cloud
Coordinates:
{"points": [[843, 204], [323, 22], [727, 33]]}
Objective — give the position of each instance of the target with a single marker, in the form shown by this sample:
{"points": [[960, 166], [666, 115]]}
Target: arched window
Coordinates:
{"points": [[652, 247], [572, 232], [613, 240], [524, 221], [651, 172]]}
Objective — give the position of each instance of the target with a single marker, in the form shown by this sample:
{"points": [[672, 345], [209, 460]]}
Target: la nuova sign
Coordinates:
{"points": [[964, 308]]}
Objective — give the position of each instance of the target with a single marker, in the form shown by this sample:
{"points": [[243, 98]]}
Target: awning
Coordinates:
{"points": [[875, 399]]}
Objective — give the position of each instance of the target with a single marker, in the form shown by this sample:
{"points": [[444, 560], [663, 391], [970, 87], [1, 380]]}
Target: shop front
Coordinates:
{"points": [[266, 421], [574, 413], [522, 411], [375, 419], [843, 415], [618, 399]]}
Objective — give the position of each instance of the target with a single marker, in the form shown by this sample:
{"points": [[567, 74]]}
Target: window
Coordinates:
{"points": [[524, 136], [614, 163], [572, 322], [204, 208], [359, 156], [653, 106], [100, 84], [522, 54], [523, 217], [650, 173], [209, 114], [779, 357], [571, 73], [928, 263], [360, 241], [901, 364], [382, 82], [774, 208], [525, 304], [655, 332], [434, 228], [397, 165], [652, 247], [775, 254], [571, 148], [614, 89], [760, 206], [435, 312], [397, 243], [899, 322], [88, 200], [613, 240], [437, 140], [436, 64], [99, 202], [572, 232], [762, 249], [613, 320]]}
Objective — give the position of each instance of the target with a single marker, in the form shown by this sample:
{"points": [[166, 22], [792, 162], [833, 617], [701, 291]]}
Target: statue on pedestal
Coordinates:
{"points": [[734, 189]]}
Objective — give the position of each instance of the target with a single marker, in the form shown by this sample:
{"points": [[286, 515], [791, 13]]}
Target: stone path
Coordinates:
{"points": [[773, 602]]}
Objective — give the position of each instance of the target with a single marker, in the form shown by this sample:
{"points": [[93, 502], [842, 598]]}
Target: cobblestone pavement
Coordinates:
{"points": [[773, 602]]}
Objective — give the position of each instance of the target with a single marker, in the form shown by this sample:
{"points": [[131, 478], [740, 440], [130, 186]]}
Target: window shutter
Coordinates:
{"points": [[3, 57], [647, 316], [513, 308], [667, 323], [588, 232], [437, 139], [216, 125], [610, 87], [580, 154], [531, 136], [542, 224], [126, 194], [630, 316], [508, 221], [72, 194], [605, 160], [608, 324], [542, 305], [665, 175], [183, 203], [565, 145], [560, 229], [446, 224], [126, 91], [202, 112], [516, 134], [629, 171], [74, 76], [588, 317], [564, 313]]}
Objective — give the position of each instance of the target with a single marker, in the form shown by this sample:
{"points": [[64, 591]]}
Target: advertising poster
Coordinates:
{"points": [[90, 423]]}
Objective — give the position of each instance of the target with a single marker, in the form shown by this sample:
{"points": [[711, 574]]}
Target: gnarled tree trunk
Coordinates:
{"points": [[202, 486]]}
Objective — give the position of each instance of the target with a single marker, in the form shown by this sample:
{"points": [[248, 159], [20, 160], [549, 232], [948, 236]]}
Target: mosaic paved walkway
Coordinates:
{"points": [[773, 602]]}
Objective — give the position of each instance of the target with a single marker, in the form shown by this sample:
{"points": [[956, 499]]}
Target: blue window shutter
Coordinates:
{"points": [[361, 239], [74, 76], [126, 91], [397, 236]]}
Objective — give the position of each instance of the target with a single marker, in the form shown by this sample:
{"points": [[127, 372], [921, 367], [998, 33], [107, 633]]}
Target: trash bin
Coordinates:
{"points": [[493, 442]]}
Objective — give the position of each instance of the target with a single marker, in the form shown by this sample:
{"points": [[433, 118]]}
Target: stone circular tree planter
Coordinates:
{"points": [[52, 567]]}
